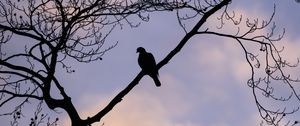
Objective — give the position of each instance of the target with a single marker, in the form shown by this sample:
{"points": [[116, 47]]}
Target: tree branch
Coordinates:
{"points": [[21, 68], [21, 95], [13, 30]]}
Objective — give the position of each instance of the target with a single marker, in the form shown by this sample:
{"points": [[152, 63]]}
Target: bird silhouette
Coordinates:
{"points": [[148, 64]]}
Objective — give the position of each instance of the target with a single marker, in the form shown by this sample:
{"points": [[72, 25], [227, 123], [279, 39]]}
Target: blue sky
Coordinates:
{"points": [[204, 85]]}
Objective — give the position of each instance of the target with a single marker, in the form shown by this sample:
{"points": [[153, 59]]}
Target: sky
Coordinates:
{"points": [[204, 85]]}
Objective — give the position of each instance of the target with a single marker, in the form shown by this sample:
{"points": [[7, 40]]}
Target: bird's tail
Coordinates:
{"points": [[156, 81]]}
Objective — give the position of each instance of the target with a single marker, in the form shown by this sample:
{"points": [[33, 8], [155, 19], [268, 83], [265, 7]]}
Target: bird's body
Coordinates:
{"points": [[148, 65]]}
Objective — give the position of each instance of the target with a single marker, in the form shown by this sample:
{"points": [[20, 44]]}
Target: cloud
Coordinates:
{"points": [[291, 49], [222, 55], [137, 110], [145, 105]]}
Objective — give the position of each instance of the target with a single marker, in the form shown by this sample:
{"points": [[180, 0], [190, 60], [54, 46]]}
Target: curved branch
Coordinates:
{"points": [[13, 30], [24, 76], [21, 95], [21, 68]]}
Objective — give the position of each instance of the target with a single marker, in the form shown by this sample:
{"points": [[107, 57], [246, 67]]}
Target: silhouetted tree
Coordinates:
{"points": [[78, 29]]}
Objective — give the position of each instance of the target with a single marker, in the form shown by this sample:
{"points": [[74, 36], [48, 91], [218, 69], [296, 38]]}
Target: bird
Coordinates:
{"points": [[147, 62]]}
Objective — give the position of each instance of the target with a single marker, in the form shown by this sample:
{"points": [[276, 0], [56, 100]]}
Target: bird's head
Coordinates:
{"points": [[140, 49]]}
